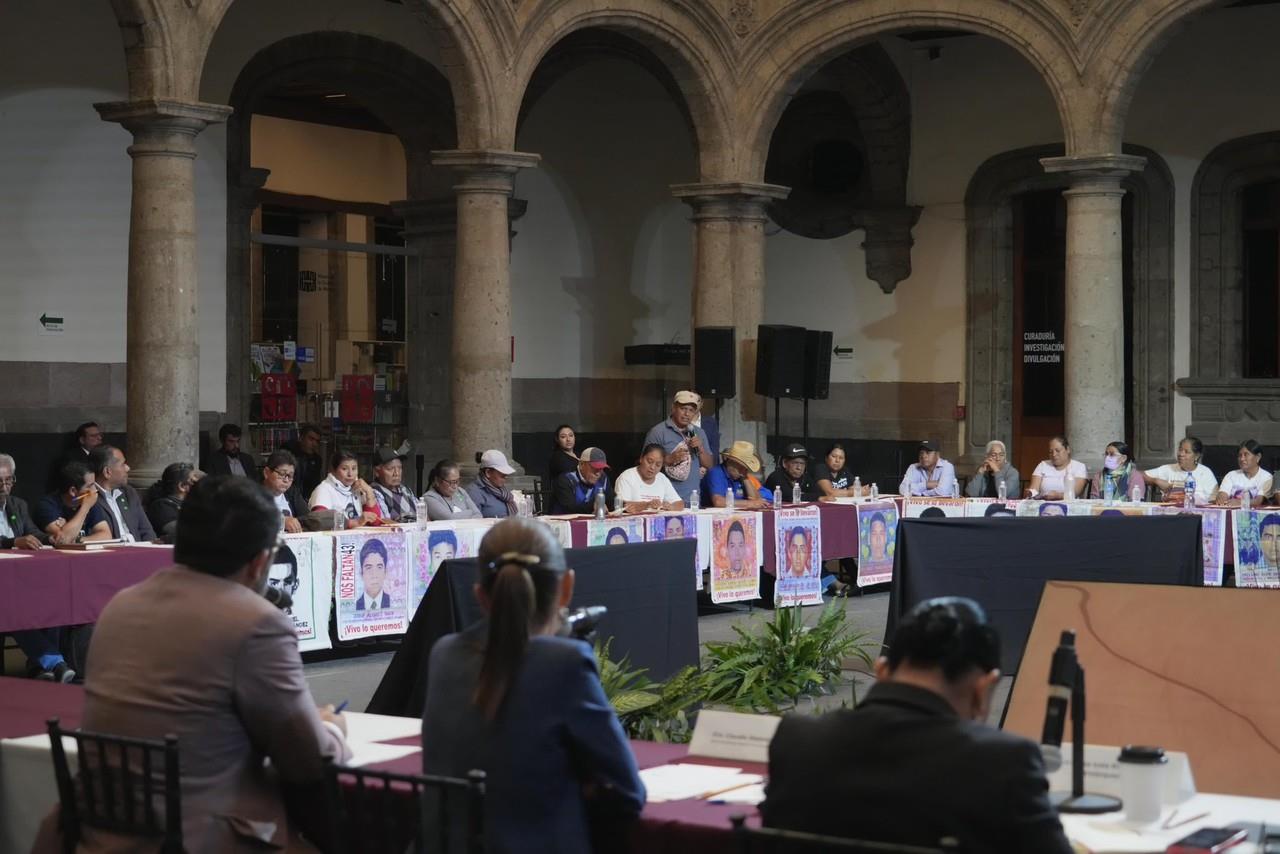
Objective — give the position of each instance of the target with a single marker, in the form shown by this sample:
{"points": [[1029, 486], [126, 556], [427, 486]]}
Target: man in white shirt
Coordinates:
{"points": [[931, 475], [124, 508]]}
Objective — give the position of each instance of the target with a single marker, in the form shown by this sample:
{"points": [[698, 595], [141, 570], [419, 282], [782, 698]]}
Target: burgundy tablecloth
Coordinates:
{"points": [[25, 705], [66, 588]]}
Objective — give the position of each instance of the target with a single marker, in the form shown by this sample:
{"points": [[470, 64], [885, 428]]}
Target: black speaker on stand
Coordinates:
{"points": [[715, 371], [780, 366]]}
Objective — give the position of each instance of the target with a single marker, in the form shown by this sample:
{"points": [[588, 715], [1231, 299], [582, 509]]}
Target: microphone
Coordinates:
{"points": [[581, 622], [1062, 678], [278, 596]]}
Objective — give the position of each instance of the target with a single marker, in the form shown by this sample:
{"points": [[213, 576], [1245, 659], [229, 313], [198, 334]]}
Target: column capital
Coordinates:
{"points": [[739, 200], [1094, 171], [160, 126], [485, 170]]}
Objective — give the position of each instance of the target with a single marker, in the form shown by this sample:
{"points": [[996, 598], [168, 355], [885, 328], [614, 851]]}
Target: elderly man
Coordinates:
{"points": [[396, 502], [793, 469], [995, 470], [279, 476], [17, 529], [685, 443], [930, 475], [125, 513], [228, 459], [734, 473], [575, 491], [227, 679]]}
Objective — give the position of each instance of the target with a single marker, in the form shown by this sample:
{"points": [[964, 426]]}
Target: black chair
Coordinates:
{"points": [[120, 781], [540, 501], [382, 812], [768, 840]]}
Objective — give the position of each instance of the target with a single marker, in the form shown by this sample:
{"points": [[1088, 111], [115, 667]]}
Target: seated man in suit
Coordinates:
{"points": [[196, 651], [17, 529], [228, 459], [915, 763], [125, 513]]}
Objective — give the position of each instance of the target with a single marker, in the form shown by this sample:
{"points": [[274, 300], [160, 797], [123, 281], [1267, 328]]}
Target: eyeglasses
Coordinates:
{"points": [[283, 475], [454, 482], [8, 481]]}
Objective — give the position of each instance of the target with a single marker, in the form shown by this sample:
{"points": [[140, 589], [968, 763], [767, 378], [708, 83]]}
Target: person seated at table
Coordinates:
{"points": [[576, 491], [793, 469], [396, 501], [1171, 477], [228, 459], [197, 652], [164, 498], [1250, 482], [563, 457], [833, 479], [308, 465], [1120, 469], [489, 490], [993, 471], [734, 472], [930, 474], [17, 529], [72, 514], [915, 761], [508, 697], [346, 493], [445, 498], [1049, 480], [644, 487], [279, 476], [122, 503]]}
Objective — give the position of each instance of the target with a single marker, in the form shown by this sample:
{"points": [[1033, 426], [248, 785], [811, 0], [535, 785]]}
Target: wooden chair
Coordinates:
{"points": [[768, 840], [117, 787], [382, 812]]}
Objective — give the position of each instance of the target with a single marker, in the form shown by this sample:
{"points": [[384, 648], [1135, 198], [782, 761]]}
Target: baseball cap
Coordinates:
{"points": [[686, 396], [494, 459], [795, 449], [927, 445], [594, 457]]}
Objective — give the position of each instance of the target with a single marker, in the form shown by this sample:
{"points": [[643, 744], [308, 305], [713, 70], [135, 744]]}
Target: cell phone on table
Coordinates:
{"points": [[1209, 840]]}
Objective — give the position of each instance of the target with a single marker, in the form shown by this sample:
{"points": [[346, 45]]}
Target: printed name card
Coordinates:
{"points": [[732, 735], [1102, 773]]}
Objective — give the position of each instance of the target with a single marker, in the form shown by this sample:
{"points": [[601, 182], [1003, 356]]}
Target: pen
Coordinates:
{"points": [[341, 706]]}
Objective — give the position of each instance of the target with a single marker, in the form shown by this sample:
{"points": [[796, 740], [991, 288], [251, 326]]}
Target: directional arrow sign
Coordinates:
{"points": [[52, 324], [843, 352]]}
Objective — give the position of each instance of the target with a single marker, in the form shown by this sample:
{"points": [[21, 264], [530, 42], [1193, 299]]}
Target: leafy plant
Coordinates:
{"points": [[653, 711], [769, 669]]}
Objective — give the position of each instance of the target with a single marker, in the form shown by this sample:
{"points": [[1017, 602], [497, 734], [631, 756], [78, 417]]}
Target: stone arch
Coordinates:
{"points": [[989, 296], [787, 52], [690, 48], [147, 48]]}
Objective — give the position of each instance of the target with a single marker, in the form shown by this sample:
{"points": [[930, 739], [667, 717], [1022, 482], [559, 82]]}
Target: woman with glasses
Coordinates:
{"points": [[446, 499], [995, 469]]}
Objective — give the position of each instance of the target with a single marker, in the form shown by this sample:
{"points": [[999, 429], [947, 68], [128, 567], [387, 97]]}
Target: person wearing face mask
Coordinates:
{"points": [[1171, 478], [344, 492], [915, 761], [1120, 469], [1251, 480]]}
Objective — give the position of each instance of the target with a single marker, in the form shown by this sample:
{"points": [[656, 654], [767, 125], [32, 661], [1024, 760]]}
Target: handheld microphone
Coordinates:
{"points": [[278, 596], [582, 622], [1062, 677]]}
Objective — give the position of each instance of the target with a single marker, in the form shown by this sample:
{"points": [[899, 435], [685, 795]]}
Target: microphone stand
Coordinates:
{"points": [[1078, 801]]}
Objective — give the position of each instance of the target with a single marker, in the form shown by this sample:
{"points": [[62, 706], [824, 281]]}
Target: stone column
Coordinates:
{"points": [[162, 350], [481, 347], [728, 286], [1094, 369]]}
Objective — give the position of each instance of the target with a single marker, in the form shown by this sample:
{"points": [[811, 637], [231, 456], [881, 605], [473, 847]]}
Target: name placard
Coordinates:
{"points": [[1102, 773], [732, 735]]}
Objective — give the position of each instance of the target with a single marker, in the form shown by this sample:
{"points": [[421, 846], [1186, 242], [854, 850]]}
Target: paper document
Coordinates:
{"points": [[364, 728], [371, 753], [683, 781]]}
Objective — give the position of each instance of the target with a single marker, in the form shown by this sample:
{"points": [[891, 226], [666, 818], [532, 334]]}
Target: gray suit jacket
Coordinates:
{"points": [[215, 664]]}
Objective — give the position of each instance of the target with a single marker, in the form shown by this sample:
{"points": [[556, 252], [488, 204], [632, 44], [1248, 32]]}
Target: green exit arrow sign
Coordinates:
{"points": [[52, 324]]}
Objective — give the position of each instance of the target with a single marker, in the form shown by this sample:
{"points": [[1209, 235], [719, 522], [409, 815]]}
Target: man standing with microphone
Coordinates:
{"points": [[685, 443]]}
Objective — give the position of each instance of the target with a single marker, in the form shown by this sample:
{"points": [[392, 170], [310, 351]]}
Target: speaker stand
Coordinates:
{"points": [[806, 423]]}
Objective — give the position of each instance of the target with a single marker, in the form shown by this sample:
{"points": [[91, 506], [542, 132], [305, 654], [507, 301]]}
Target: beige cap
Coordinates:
{"points": [[686, 396]]}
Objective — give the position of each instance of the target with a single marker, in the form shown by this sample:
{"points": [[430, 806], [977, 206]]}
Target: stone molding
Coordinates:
{"points": [[1087, 170], [162, 127], [888, 244], [729, 200]]}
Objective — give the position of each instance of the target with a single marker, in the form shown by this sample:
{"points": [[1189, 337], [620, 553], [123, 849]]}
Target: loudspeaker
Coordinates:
{"points": [[817, 364], [780, 361], [714, 367]]}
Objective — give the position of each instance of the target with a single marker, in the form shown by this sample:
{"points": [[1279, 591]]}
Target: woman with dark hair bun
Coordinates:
{"points": [[511, 698], [1251, 481], [1170, 478]]}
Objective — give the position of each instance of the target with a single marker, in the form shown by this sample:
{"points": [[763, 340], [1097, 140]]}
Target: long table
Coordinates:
{"points": [[54, 587]]}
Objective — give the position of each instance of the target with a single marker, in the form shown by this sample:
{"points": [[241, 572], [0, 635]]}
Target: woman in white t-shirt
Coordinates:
{"points": [[644, 487], [1170, 478], [1250, 479], [344, 492], [1049, 480]]}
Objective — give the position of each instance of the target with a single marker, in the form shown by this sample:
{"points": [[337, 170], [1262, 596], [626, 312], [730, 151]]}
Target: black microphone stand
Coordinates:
{"points": [[1078, 801]]}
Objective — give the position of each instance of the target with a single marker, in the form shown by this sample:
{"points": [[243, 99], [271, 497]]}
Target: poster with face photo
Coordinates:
{"points": [[877, 535], [304, 570], [562, 529], [1213, 530], [928, 506], [677, 526], [430, 546], [615, 531], [976, 507], [371, 584], [735, 557], [1257, 547], [1047, 509], [798, 540]]}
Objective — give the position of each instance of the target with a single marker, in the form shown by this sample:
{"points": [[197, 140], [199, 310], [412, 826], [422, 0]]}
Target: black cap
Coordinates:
{"points": [[927, 445], [384, 455], [795, 449]]}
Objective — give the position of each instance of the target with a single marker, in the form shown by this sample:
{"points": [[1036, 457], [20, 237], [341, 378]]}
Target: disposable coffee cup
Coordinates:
{"points": [[1142, 770]]}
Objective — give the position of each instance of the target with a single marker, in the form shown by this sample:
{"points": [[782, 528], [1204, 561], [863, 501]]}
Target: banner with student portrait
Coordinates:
{"points": [[615, 531], [735, 557], [1257, 535], [677, 526], [1120, 509], [1213, 538], [798, 541], [304, 570], [877, 537], [929, 506], [1046, 509], [561, 528], [371, 586], [432, 545], [978, 507]]}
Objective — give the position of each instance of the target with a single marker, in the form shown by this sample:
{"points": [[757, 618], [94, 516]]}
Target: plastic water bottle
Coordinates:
{"points": [[1069, 488], [875, 492], [695, 498], [728, 498], [1245, 496], [619, 504], [1189, 492], [777, 498], [1002, 491], [1108, 491], [600, 505], [795, 493], [1136, 497], [857, 488], [420, 511]]}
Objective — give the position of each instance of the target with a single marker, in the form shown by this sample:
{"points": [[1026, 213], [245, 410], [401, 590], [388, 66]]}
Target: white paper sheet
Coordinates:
{"points": [[682, 781], [364, 728], [372, 753]]}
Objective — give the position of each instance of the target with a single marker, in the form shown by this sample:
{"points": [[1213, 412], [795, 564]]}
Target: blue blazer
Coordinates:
{"points": [[555, 732]]}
